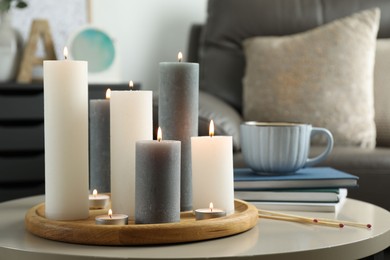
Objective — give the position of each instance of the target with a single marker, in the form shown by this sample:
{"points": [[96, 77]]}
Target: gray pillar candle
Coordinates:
{"points": [[178, 115], [99, 145], [157, 190]]}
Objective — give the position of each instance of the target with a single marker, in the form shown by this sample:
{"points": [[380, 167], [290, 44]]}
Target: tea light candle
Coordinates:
{"points": [[157, 181], [65, 84], [211, 212], [112, 219], [178, 106], [98, 201], [131, 119], [99, 143], [212, 171]]}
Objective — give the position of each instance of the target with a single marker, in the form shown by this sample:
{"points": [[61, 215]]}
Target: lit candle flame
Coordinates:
{"points": [[211, 206], [94, 192], [110, 213], [66, 53], [180, 56], [131, 85], [159, 134], [108, 93], [211, 129]]}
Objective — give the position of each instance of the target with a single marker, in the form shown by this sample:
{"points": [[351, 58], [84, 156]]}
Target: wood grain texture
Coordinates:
{"points": [[188, 230], [40, 30]]}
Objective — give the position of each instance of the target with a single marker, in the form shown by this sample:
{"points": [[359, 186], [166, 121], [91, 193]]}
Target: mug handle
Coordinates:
{"points": [[329, 147]]}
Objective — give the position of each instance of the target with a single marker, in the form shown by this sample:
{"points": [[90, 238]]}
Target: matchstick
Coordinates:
{"points": [[300, 220], [339, 223]]}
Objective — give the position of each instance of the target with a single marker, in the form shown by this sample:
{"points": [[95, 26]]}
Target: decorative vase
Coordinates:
{"points": [[10, 48]]}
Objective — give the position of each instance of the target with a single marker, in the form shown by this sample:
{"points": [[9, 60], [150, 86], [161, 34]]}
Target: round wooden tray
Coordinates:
{"points": [[187, 230]]}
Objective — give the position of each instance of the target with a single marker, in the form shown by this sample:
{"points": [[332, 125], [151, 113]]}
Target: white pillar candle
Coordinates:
{"points": [[212, 171], [131, 119], [66, 139]]}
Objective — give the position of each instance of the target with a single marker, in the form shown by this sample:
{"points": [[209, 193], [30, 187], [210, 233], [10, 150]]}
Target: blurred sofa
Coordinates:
{"points": [[218, 46]]}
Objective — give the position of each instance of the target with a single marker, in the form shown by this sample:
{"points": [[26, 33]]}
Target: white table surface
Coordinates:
{"points": [[269, 239]]}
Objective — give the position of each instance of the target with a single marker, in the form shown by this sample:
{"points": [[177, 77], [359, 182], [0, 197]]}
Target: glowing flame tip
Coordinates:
{"points": [[66, 53], [180, 56], [211, 129], [108, 93], [159, 134]]}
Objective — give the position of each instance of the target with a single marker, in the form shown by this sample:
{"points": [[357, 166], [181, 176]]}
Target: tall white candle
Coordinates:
{"points": [[212, 171], [66, 139], [131, 118]]}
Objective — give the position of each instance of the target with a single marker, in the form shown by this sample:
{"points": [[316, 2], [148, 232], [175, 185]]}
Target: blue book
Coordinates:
{"points": [[312, 177]]}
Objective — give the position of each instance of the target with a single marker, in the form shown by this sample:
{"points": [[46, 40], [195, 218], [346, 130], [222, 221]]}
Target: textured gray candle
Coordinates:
{"points": [[178, 115], [99, 145], [157, 182]]}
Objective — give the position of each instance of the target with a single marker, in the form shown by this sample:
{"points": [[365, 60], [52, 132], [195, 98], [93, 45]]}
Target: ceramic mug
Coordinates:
{"points": [[280, 147]]}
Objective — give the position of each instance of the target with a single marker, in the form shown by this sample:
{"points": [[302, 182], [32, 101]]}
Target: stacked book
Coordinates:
{"points": [[320, 189]]}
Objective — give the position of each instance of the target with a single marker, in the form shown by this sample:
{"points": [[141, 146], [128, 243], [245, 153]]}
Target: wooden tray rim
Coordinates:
{"points": [[188, 230]]}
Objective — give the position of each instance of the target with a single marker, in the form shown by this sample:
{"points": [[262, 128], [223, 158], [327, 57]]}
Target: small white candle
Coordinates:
{"points": [[65, 84], [131, 119], [208, 213], [212, 171], [98, 201], [112, 219]]}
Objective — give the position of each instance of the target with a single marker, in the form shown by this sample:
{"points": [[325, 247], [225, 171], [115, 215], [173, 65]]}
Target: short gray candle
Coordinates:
{"points": [[178, 115], [157, 191], [99, 145]]}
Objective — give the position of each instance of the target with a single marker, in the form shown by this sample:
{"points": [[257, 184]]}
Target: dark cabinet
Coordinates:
{"points": [[22, 165]]}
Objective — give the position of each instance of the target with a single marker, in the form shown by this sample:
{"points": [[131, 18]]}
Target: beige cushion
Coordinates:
{"points": [[382, 92], [323, 77]]}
